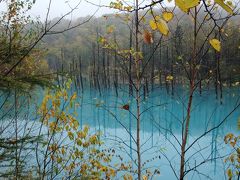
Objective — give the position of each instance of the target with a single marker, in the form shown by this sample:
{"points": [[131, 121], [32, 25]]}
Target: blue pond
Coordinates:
{"points": [[161, 129]]}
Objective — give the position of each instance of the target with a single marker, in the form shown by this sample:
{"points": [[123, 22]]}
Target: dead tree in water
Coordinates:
{"points": [[166, 70], [80, 72], [104, 76], [115, 67], [153, 66], [130, 85], [160, 65], [218, 74], [172, 73], [93, 81], [108, 71], [98, 63]]}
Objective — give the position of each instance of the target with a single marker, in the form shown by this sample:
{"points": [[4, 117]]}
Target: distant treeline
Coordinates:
{"points": [[81, 54]]}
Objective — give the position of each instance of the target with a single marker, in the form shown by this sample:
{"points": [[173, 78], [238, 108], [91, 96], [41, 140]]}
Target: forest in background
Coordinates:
{"points": [[81, 53]]}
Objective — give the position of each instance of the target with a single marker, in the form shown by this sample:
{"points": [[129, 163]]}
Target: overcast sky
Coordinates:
{"points": [[59, 7]]}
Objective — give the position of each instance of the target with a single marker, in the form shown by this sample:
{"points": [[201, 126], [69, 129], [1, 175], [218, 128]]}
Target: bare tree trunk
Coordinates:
{"points": [[185, 135], [216, 76], [147, 88], [115, 69], [166, 70], [130, 64], [200, 86], [98, 64], [160, 65], [138, 82], [16, 136], [104, 69], [153, 67], [94, 66], [80, 71], [108, 70], [219, 79], [186, 122], [62, 59], [172, 74], [74, 75]]}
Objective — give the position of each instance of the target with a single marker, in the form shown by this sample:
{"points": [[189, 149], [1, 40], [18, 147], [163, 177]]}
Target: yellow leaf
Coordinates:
{"points": [[226, 7], [167, 16], [162, 27], [185, 5], [157, 18], [169, 78], [70, 135], [160, 24], [63, 151], [153, 24], [127, 177], [229, 3], [229, 173], [208, 2], [110, 29], [145, 177], [216, 44]]}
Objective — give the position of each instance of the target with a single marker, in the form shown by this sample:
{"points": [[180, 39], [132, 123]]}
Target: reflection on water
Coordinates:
{"points": [[161, 127]]}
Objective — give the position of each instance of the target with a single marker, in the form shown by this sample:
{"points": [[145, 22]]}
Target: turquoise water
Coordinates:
{"points": [[161, 127]]}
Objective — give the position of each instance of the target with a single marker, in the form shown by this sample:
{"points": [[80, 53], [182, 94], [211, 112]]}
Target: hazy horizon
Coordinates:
{"points": [[60, 7], [85, 8]]}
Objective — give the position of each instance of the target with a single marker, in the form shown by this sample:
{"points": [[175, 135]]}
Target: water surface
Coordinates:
{"points": [[161, 128]]}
